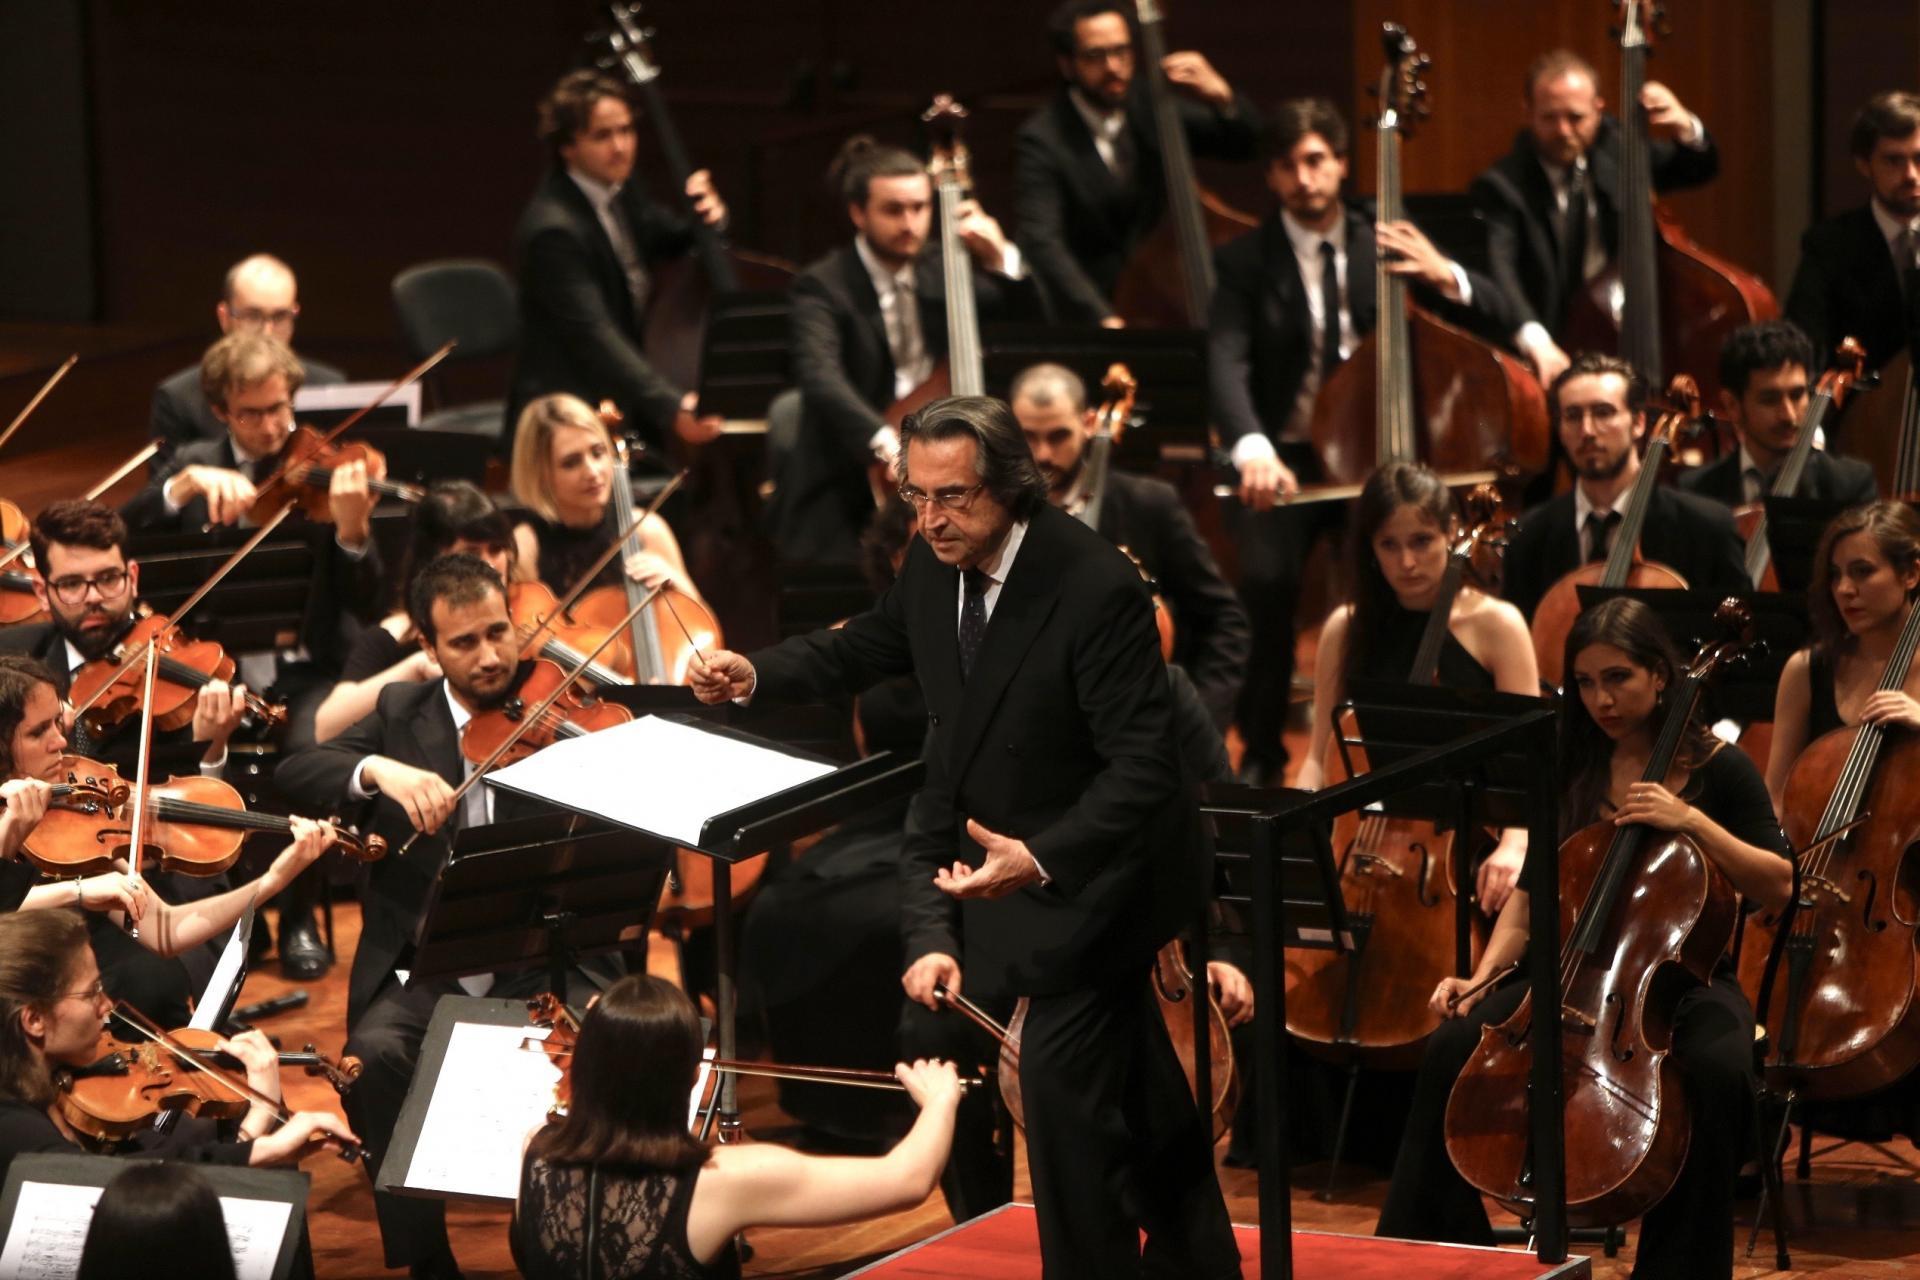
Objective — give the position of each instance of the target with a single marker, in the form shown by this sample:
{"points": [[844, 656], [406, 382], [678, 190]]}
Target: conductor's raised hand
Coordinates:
{"points": [[720, 675], [1009, 866]]}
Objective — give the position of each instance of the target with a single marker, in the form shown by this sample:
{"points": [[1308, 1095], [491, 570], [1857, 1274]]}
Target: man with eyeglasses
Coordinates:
{"points": [[1599, 405], [260, 296], [1087, 180]]}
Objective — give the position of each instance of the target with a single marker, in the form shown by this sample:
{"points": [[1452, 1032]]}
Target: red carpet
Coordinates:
{"points": [[1005, 1245]]}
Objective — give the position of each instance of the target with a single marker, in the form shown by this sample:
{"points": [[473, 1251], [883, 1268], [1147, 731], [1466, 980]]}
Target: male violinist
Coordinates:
{"points": [[402, 763], [260, 295], [1047, 853], [1294, 298], [1087, 180], [869, 325], [1599, 406], [1144, 517], [1552, 203], [588, 245], [1852, 277]]}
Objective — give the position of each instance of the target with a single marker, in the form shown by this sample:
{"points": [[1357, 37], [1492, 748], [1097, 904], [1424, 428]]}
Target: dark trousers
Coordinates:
{"points": [[1272, 549], [1115, 1143], [1690, 1232], [156, 985], [979, 1173], [387, 1041]]}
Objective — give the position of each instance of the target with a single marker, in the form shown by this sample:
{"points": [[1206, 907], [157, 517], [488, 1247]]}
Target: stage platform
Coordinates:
{"points": [[1005, 1244]]}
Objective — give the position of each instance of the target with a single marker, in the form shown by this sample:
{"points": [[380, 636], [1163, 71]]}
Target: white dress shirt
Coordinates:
{"points": [[603, 197], [996, 567], [1893, 228], [1583, 507], [1105, 126]]}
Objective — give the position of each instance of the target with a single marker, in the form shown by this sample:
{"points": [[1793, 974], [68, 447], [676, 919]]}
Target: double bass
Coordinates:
{"points": [[1667, 304], [1431, 392], [1646, 914], [1884, 430]]}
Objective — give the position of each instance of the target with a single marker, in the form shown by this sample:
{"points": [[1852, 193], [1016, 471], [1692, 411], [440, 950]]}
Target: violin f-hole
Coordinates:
{"points": [[1426, 869]]}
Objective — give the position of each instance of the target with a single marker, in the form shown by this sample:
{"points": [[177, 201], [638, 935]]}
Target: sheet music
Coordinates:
{"points": [[51, 1221], [692, 775], [355, 395], [489, 1096]]}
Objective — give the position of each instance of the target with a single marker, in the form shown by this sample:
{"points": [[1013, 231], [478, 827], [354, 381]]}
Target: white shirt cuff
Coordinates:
{"points": [[885, 443], [1462, 287], [1531, 335], [752, 685], [1251, 447], [166, 494], [1012, 265], [357, 788], [1696, 137], [359, 553], [214, 768]]}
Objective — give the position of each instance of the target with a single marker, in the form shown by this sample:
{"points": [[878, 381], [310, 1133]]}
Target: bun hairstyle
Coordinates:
{"points": [[861, 159]]}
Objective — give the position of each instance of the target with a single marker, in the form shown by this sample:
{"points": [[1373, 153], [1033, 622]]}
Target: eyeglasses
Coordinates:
{"points": [[254, 317], [1099, 54], [91, 995], [73, 589], [1601, 414], [948, 499], [254, 417]]}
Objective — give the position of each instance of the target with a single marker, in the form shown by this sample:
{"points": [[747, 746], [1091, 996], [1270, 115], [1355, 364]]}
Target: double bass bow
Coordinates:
{"points": [[1634, 902]]}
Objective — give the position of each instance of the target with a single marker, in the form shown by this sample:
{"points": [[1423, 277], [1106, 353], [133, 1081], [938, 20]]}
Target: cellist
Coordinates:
{"points": [[1621, 663]]}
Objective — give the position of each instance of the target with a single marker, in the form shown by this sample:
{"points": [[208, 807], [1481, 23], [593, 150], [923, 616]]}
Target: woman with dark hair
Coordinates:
{"points": [[1622, 665], [1403, 526], [1865, 574], [155, 1211], [623, 1176], [453, 517]]}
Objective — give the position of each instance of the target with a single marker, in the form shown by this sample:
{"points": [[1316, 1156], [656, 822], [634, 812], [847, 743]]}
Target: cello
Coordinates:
{"points": [[1843, 1005], [1646, 913], [1553, 617], [1110, 421], [1830, 392], [1666, 304], [1433, 392], [1884, 430]]}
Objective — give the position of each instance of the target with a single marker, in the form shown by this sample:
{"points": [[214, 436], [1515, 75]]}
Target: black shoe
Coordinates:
{"points": [[303, 957]]}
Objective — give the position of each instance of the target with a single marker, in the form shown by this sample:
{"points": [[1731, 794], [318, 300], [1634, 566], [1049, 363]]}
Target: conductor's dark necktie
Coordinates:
{"points": [[973, 618]]}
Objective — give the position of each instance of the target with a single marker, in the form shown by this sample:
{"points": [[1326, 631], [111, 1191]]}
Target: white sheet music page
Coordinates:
{"points": [[692, 774], [51, 1221], [490, 1095]]}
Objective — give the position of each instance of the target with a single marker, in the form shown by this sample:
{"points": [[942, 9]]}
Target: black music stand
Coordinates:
{"points": [[1794, 526], [1743, 691], [743, 359], [53, 1216], [1169, 364], [258, 606], [422, 455]]}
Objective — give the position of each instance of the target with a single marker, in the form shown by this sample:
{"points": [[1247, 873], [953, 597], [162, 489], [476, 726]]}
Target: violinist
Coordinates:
{"points": [[454, 517], [52, 1008], [563, 473], [1765, 373], [1087, 185], [401, 763], [868, 327], [1143, 516], [1599, 407], [664, 1204], [1294, 298], [1621, 663], [1551, 204], [259, 295], [1851, 277], [587, 245]]}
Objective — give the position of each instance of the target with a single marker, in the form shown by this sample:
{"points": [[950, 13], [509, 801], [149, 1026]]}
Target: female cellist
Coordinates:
{"points": [[453, 517], [1621, 663], [622, 1176]]}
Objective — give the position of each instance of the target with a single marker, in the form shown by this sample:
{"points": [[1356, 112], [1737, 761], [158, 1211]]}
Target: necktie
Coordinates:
{"points": [[1753, 485], [1600, 526], [1573, 238], [1330, 309], [1125, 156], [973, 619], [910, 363], [627, 252]]}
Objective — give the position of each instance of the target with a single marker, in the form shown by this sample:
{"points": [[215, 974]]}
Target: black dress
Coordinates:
{"points": [[565, 552], [640, 1231], [1396, 643], [1823, 708], [374, 650], [1689, 1234]]}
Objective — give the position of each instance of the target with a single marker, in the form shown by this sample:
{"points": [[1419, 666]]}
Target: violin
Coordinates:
{"points": [[304, 468], [1644, 911], [195, 825], [18, 603], [1554, 616], [111, 690], [567, 715], [128, 1086]]}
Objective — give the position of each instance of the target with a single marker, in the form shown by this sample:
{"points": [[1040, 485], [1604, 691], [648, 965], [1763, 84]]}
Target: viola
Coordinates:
{"points": [[304, 468], [111, 690], [1396, 876], [566, 715], [1554, 616], [195, 825], [1635, 902]]}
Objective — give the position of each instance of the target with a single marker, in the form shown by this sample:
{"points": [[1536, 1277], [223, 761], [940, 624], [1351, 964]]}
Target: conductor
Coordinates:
{"points": [[1047, 854]]}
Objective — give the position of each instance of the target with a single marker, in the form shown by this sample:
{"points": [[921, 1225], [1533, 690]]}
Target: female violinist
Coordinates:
{"points": [[1621, 663], [623, 1176], [453, 517], [52, 1009]]}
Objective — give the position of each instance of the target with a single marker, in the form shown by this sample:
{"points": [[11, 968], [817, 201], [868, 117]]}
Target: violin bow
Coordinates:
{"points": [[114, 477], [137, 827], [978, 1016], [406, 379], [585, 580], [20, 418], [533, 717], [173, 620]]}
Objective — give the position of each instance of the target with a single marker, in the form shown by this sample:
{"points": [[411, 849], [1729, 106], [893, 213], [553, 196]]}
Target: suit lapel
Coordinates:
{"points": [[1283, 276], [866, 302], [1362, 305], [1026, 600], [432, 728]]}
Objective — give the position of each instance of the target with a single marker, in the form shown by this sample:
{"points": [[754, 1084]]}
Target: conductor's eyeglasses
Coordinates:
{"points": [[947, 499]]}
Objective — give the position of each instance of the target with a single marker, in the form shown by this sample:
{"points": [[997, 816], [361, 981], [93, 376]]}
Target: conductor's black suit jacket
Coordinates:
{"points": [[1061, 737]]}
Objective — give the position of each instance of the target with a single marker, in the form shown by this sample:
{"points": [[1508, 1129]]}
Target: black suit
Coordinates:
{"points": [[844, 369], [1691, 535], [580, 331], [181, 416], [1212, 635], [1828, 478], [1516, 199], [1846, 286], [1076, 219], [1060, 737]]}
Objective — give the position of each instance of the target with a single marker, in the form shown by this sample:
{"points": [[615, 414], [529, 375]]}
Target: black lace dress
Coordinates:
{"points": [[639, 1233]]}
